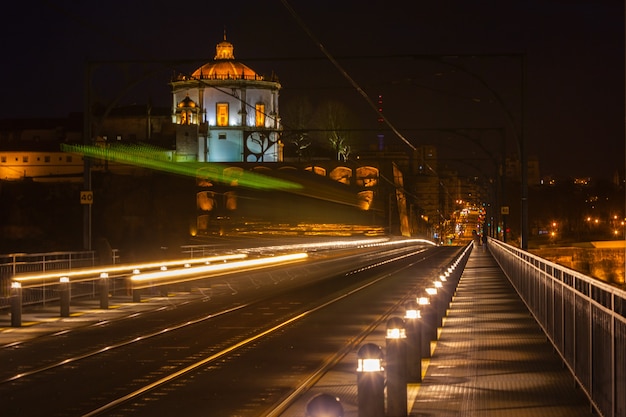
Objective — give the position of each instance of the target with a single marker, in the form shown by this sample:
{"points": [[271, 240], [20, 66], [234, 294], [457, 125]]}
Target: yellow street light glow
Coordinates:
{"points": [[412, 314], [16, 285], [438, 284], [86, 272], [431, 291], [64, 279], [104, 275], [369, 365], [396, 333], [423, 301], [218, 267]]}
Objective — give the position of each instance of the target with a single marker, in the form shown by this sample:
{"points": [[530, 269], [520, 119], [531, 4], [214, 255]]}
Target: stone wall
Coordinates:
{"points": [[606, 264]]}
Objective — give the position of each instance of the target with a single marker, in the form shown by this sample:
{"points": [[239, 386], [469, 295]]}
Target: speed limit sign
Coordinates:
{"points": [[86, 197]]}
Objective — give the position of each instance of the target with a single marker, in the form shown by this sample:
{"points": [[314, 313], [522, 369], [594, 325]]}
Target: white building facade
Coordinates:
{"points": [[226, 112]]}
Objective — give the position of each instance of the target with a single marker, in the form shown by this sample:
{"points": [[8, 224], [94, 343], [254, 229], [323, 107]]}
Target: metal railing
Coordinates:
{"points": [[584, 319], [20, 263], [29, 263]]}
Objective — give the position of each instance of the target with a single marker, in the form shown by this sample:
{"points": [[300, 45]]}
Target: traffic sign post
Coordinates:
{"points": [[86, 197]]}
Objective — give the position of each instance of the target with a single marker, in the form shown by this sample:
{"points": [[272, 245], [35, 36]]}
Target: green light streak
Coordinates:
{"points": [[154, 158]]}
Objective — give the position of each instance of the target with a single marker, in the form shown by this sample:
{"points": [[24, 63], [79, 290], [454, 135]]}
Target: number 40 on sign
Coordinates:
{"points": [[86, 197]]}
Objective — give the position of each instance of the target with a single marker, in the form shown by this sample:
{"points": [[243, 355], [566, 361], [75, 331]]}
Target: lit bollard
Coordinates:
{"points": [[412, 319], [324, 405], [425, 313], [396, 367], [16, 304], [64, 296], [441, 302], [446, 286], [434, 312], [104, 291], [136, 292], [370, 381]]}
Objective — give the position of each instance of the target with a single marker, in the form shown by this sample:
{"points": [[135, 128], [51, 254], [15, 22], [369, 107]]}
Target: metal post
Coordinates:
{"points": [[425, 313], [370, 381], [135, 291], [396, 368], [87, 140], [64, 295], [412, 320], [433, 312], [16, 304], [104, 291]]}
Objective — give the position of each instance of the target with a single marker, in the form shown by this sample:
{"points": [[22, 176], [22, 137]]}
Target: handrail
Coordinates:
{"points": [[584, 319]]}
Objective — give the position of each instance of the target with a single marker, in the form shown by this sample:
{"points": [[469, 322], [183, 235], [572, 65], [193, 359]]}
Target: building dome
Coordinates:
{"points": [[224, 66], [187, 102]]}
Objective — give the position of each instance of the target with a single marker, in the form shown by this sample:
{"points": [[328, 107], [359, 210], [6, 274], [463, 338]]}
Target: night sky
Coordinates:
{"points": [[441, 66]]}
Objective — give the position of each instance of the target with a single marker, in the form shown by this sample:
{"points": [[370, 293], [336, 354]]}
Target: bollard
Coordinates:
{"points": [[395, 364], [434, 312], [324, 405], [16, 304], [135, 291], [446, 291], [424, 305], [441, 302], [104, 291], [64, 296], [412, 320], [370, 381]]}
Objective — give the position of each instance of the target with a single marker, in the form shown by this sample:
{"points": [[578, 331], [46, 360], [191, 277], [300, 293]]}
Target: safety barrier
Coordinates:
{"points": [[22, 263], [584, 318]]}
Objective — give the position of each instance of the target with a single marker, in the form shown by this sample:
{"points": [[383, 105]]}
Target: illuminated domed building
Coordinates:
{"points": [[226, 112]]}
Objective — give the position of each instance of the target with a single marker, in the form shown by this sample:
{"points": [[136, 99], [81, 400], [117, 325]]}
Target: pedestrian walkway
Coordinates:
{"points": [[491, 360]]}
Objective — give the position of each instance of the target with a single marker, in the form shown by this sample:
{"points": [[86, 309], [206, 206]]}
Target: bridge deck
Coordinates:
{"points": [[491, 359]]}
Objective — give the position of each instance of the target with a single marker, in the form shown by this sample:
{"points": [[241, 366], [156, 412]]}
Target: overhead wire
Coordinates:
{"points": [[345, 74]]}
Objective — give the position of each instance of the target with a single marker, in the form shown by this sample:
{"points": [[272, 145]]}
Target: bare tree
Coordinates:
{"points": [[336, 117], [297, 119]]}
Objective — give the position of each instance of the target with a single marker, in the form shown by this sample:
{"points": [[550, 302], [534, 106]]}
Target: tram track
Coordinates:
{"points": [[259, 320]]}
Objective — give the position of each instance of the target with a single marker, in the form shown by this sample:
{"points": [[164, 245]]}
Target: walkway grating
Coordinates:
{"points": [[492, 359]]}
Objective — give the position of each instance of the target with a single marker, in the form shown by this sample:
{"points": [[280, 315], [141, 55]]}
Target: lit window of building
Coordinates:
{"points": [[222, 114], [260, 115]]}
